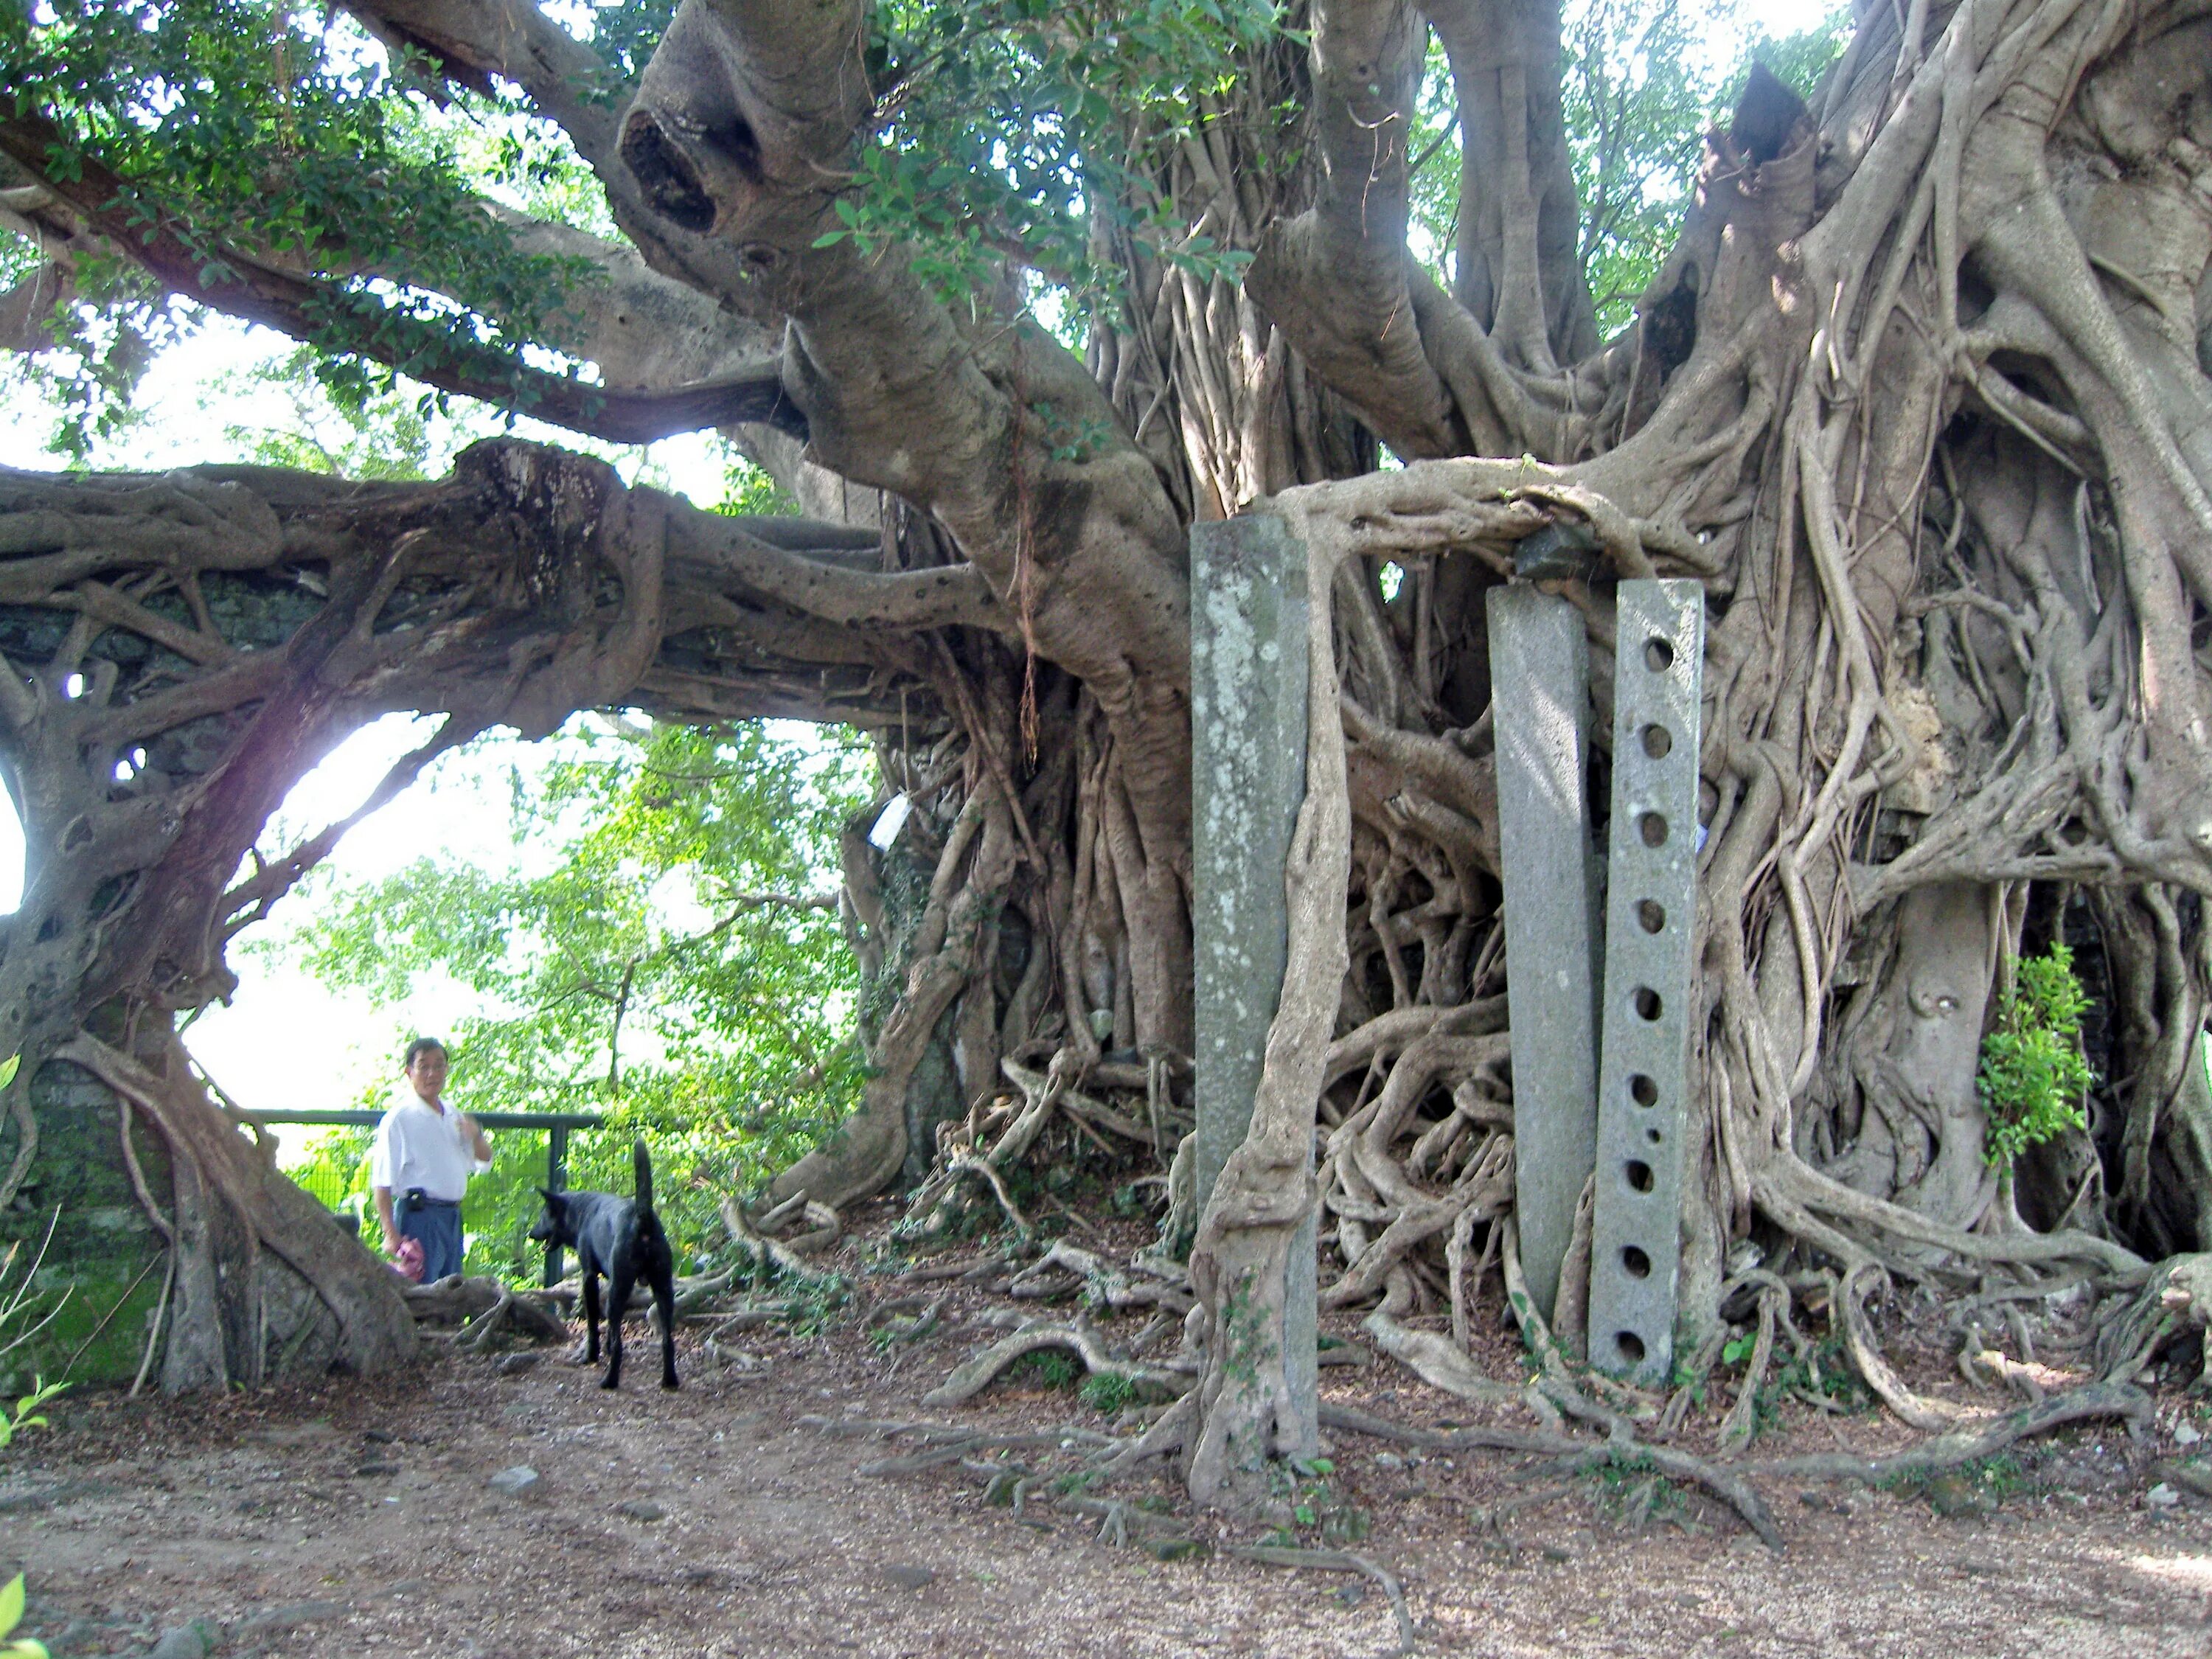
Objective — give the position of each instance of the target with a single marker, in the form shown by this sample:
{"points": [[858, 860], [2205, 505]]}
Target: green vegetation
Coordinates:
{"points": [[1107, 1392], [11, 1615], [16, 1309], [1047, 1368], [1640, 84], [665, 952], [1318, 1511], [2033, 1078]]}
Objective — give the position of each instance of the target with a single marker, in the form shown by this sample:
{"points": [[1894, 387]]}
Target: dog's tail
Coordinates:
{"points": [[644, 1166]]}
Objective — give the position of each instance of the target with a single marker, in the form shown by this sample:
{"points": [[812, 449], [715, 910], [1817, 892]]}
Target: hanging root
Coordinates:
{"points": [[1736, 1427]]}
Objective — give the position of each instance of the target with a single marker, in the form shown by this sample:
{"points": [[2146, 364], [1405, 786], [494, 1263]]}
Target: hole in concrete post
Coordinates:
{"points": [[1646, 1002], [1653, 1136], [1658, 654], [1643, 1090], [1638, 1174], [1650, 915], [1652, 826], [1635, 1263], [1630, 1346], [1658, 742]]}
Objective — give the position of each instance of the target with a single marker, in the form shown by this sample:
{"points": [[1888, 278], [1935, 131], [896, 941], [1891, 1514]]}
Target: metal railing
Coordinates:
{"points": [[557, 1126]]}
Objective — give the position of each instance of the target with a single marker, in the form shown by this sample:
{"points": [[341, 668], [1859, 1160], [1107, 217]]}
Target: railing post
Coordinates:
{"points": [[556, 1177]]}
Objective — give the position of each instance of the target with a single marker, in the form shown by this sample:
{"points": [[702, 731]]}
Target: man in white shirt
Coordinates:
{"points": [[425, 1153]]}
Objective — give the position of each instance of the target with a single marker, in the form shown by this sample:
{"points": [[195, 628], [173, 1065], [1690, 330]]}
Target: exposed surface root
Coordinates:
{"points": [[1282, 1555], [2097, 1399], [1621, 1449], [976, 1374]]}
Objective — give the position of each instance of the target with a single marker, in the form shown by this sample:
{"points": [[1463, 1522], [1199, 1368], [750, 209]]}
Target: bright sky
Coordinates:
{"points": [[287, 1041]]}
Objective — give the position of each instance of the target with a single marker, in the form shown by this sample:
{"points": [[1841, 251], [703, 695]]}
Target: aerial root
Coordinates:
{"points": [[1850, 1316], [1282, 1555], [1736, 1427], [2177, 1296]]}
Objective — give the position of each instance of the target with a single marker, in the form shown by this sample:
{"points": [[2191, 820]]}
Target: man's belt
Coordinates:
{"points": [[418, 1199]]}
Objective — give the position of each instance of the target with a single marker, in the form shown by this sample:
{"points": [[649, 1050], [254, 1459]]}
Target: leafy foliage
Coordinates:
{"points": [[1642, 83], [247, 129], [1003, 127], [661, 958], [2033, 1078], [11, 1615]]}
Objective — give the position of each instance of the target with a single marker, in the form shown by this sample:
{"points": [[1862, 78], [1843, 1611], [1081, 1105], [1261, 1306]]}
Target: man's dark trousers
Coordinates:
{"points": [[435, 1224]]}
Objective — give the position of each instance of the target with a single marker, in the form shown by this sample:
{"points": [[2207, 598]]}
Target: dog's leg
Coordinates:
{"points": [[618, 1288], [590, 1316], [661, 1277]]}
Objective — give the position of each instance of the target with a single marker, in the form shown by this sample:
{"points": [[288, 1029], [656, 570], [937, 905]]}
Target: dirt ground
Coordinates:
{"points": [[355, 1518]]}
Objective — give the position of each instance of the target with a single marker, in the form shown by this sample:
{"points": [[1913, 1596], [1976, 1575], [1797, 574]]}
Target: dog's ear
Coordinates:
{"points": [[553, 1200]]}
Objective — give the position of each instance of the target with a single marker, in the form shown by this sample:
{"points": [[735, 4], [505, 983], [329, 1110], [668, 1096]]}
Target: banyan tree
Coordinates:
{"points": [[1010, 297]]}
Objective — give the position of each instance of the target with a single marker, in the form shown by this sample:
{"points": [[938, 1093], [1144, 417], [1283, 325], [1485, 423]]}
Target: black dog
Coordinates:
{"points": [[621, 1238]]}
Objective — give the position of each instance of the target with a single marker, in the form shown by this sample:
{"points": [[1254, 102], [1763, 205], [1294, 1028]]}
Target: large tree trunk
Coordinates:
{"points": [[1921, 396]]}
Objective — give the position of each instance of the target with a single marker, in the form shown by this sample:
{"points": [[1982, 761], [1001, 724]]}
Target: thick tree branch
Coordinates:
{"points": [[234, 282]]}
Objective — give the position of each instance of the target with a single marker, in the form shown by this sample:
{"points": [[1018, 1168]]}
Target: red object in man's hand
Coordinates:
{"points": [[407, 1260]]}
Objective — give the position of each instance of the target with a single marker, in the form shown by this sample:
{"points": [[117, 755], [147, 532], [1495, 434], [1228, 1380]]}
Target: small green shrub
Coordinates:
{"points": [[1047, 1367], [1106, 1392], [2033, 1078], [11, 1615]]}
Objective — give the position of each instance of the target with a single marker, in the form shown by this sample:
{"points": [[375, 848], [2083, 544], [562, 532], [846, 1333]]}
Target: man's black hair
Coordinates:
{"points": [[420, 1046]]}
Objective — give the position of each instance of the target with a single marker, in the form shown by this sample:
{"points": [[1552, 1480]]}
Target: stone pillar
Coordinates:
{"points": [[1539, 697], [1249, 675], [1651, 911]]}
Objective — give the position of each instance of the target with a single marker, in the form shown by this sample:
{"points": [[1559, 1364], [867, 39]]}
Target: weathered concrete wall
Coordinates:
{"points": [[104, 1264]]}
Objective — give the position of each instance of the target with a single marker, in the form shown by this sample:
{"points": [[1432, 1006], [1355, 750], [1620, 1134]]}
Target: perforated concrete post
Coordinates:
{"points": [[1540, 676], [1651, 906], [1248, 680]]}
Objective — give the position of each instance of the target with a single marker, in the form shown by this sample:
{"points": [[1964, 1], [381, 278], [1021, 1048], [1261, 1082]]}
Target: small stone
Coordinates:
{"points": [[1389, 1461], [268, 1621], [185, 1641], [1169, 1549], [378, 1436], [1954, 1495], [911, 1578], [378, 1467], [1349, 1595], [641, 1509], [521, 1481], [2161, 1497], [514, 1365], [2186, 1434]]}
